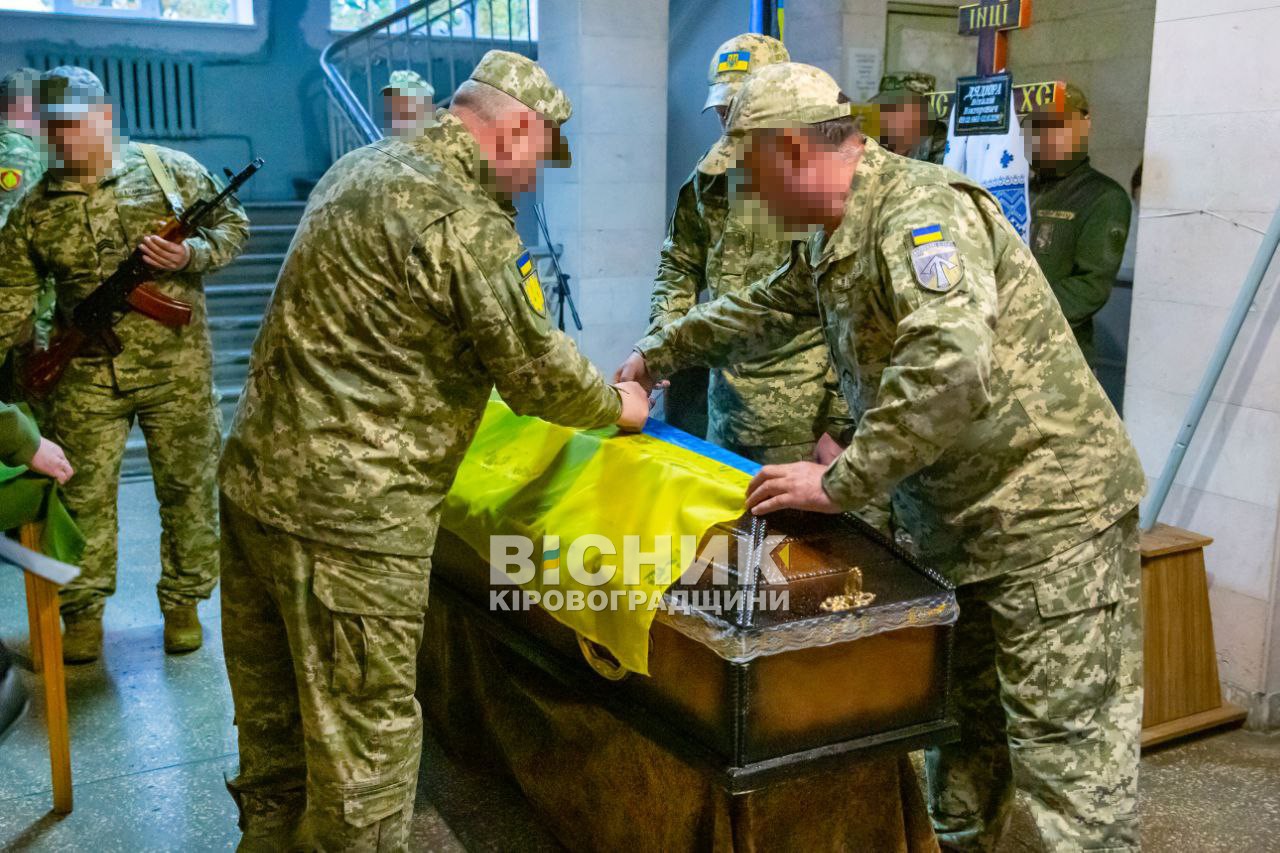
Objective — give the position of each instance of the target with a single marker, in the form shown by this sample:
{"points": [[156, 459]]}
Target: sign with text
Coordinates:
{"points": [[1027, 97], [982, 105]]}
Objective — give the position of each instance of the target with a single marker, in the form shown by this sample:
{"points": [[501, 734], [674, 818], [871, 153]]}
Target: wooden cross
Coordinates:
{"points": [[991, 21]]}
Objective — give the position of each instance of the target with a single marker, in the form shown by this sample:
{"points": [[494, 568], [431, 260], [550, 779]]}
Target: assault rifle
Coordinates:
{"points": [[127, 289]]}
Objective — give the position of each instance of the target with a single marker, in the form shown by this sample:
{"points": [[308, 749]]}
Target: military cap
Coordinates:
{"points": [[406, 82], [23, 81], [69, 91], [735, 59], [904, 86], [527, 82], [788, 94], [1074, 102]]}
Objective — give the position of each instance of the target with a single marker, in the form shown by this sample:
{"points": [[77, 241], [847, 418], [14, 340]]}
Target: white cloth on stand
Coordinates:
{"points": [[999, 164]]}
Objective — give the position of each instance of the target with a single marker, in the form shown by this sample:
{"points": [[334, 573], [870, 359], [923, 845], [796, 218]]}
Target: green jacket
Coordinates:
{"points": [[780, 398], [1079, 226], [22, 164], [974, 405], [405, 298], [19, 437], [79, 233]]}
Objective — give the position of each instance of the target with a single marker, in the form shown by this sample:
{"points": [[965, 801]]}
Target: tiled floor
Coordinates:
{"points": [[152, 739]]}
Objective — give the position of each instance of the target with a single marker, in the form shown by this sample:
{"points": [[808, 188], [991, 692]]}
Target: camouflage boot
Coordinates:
{"points": [[82, 638], [182, 631]]}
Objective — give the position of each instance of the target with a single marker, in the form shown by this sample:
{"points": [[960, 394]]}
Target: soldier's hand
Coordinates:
{"points": [[161, 254], [635, 406], [51, 462], [827, 450], [634, 369], [797, 485]]}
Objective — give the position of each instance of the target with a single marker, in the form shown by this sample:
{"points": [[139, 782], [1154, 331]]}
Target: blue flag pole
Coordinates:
{"points": [[1231, 331]]}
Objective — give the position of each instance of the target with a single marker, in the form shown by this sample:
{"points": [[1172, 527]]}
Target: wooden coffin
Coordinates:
{"points": [[778, 686]]}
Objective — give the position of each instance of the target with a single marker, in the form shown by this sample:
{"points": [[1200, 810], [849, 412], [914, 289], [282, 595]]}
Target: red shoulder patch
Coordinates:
{"points": [[10, 179]]}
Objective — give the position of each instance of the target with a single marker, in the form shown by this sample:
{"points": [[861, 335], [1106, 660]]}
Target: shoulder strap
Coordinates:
{"points": [[163, 177]]}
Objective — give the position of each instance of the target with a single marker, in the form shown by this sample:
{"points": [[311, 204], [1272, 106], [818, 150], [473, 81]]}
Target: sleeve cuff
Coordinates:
{"points": [[200, 256], [843, 485], [657, 356], [26, 442]]}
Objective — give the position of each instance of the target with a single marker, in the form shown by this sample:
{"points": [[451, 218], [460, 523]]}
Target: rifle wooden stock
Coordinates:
{"points": [[43, 368]]}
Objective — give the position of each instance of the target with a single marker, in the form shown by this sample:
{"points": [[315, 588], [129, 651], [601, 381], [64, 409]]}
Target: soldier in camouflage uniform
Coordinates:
{"points": [[1008, 466], [905, 125], [406, 104], [770, 409], [22, 159], [86, 216], [1079, 216], [22, 164], [367, 383]]}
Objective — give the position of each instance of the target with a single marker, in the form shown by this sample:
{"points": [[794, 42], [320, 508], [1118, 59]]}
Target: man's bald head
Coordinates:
{"points": [[514, 139]]}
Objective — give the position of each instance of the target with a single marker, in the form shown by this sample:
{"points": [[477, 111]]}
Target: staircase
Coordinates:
{"points": [[237, 297]]}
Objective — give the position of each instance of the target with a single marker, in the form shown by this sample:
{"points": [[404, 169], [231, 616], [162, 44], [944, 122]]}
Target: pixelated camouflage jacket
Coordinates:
{"points": [[782, 398], [405, 297], [79, 233], [22, 163], [974, 405]]}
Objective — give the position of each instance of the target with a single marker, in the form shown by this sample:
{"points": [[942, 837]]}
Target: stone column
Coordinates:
{"points": [[609, 210]]}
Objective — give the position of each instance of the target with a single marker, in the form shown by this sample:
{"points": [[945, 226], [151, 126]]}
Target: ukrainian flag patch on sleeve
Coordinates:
{"points": [[737, 60], [928, 234], [530, 285]]}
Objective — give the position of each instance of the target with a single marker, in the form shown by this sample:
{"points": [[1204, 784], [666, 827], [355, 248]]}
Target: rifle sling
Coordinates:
{"points": [[163, 177]]}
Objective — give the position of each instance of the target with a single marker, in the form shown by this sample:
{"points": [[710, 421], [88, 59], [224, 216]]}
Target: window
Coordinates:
{"points": [[207, 11], [496, 19]]}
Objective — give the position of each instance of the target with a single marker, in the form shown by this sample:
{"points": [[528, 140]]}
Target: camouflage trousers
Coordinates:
{"points": [[321, 645], [91, 418], [778, 455], [1047, 676]]}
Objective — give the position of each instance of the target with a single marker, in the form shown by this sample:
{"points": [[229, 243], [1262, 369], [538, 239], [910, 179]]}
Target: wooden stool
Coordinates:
{"points": [[46, 658], [1183, 695]]}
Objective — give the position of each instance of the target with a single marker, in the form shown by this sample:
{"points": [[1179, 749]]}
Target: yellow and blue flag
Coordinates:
{"points": [[736, 60], [524, 265], [928, 234]]}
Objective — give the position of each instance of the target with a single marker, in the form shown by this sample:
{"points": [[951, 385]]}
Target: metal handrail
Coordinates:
{"points": [[380, 40]]}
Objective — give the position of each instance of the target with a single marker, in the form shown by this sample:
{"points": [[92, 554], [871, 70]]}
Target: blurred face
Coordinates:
{"points": [[903, 126], [403, 112], [1058, 139], [20, 110], [521, 141], [83, 146], [796, 176]]}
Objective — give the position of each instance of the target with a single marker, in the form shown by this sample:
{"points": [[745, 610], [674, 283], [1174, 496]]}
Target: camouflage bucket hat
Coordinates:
{"points": [[904, 86], [785, 95], [527, 82], [69, 92], [407, 82], [735, 59]]}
